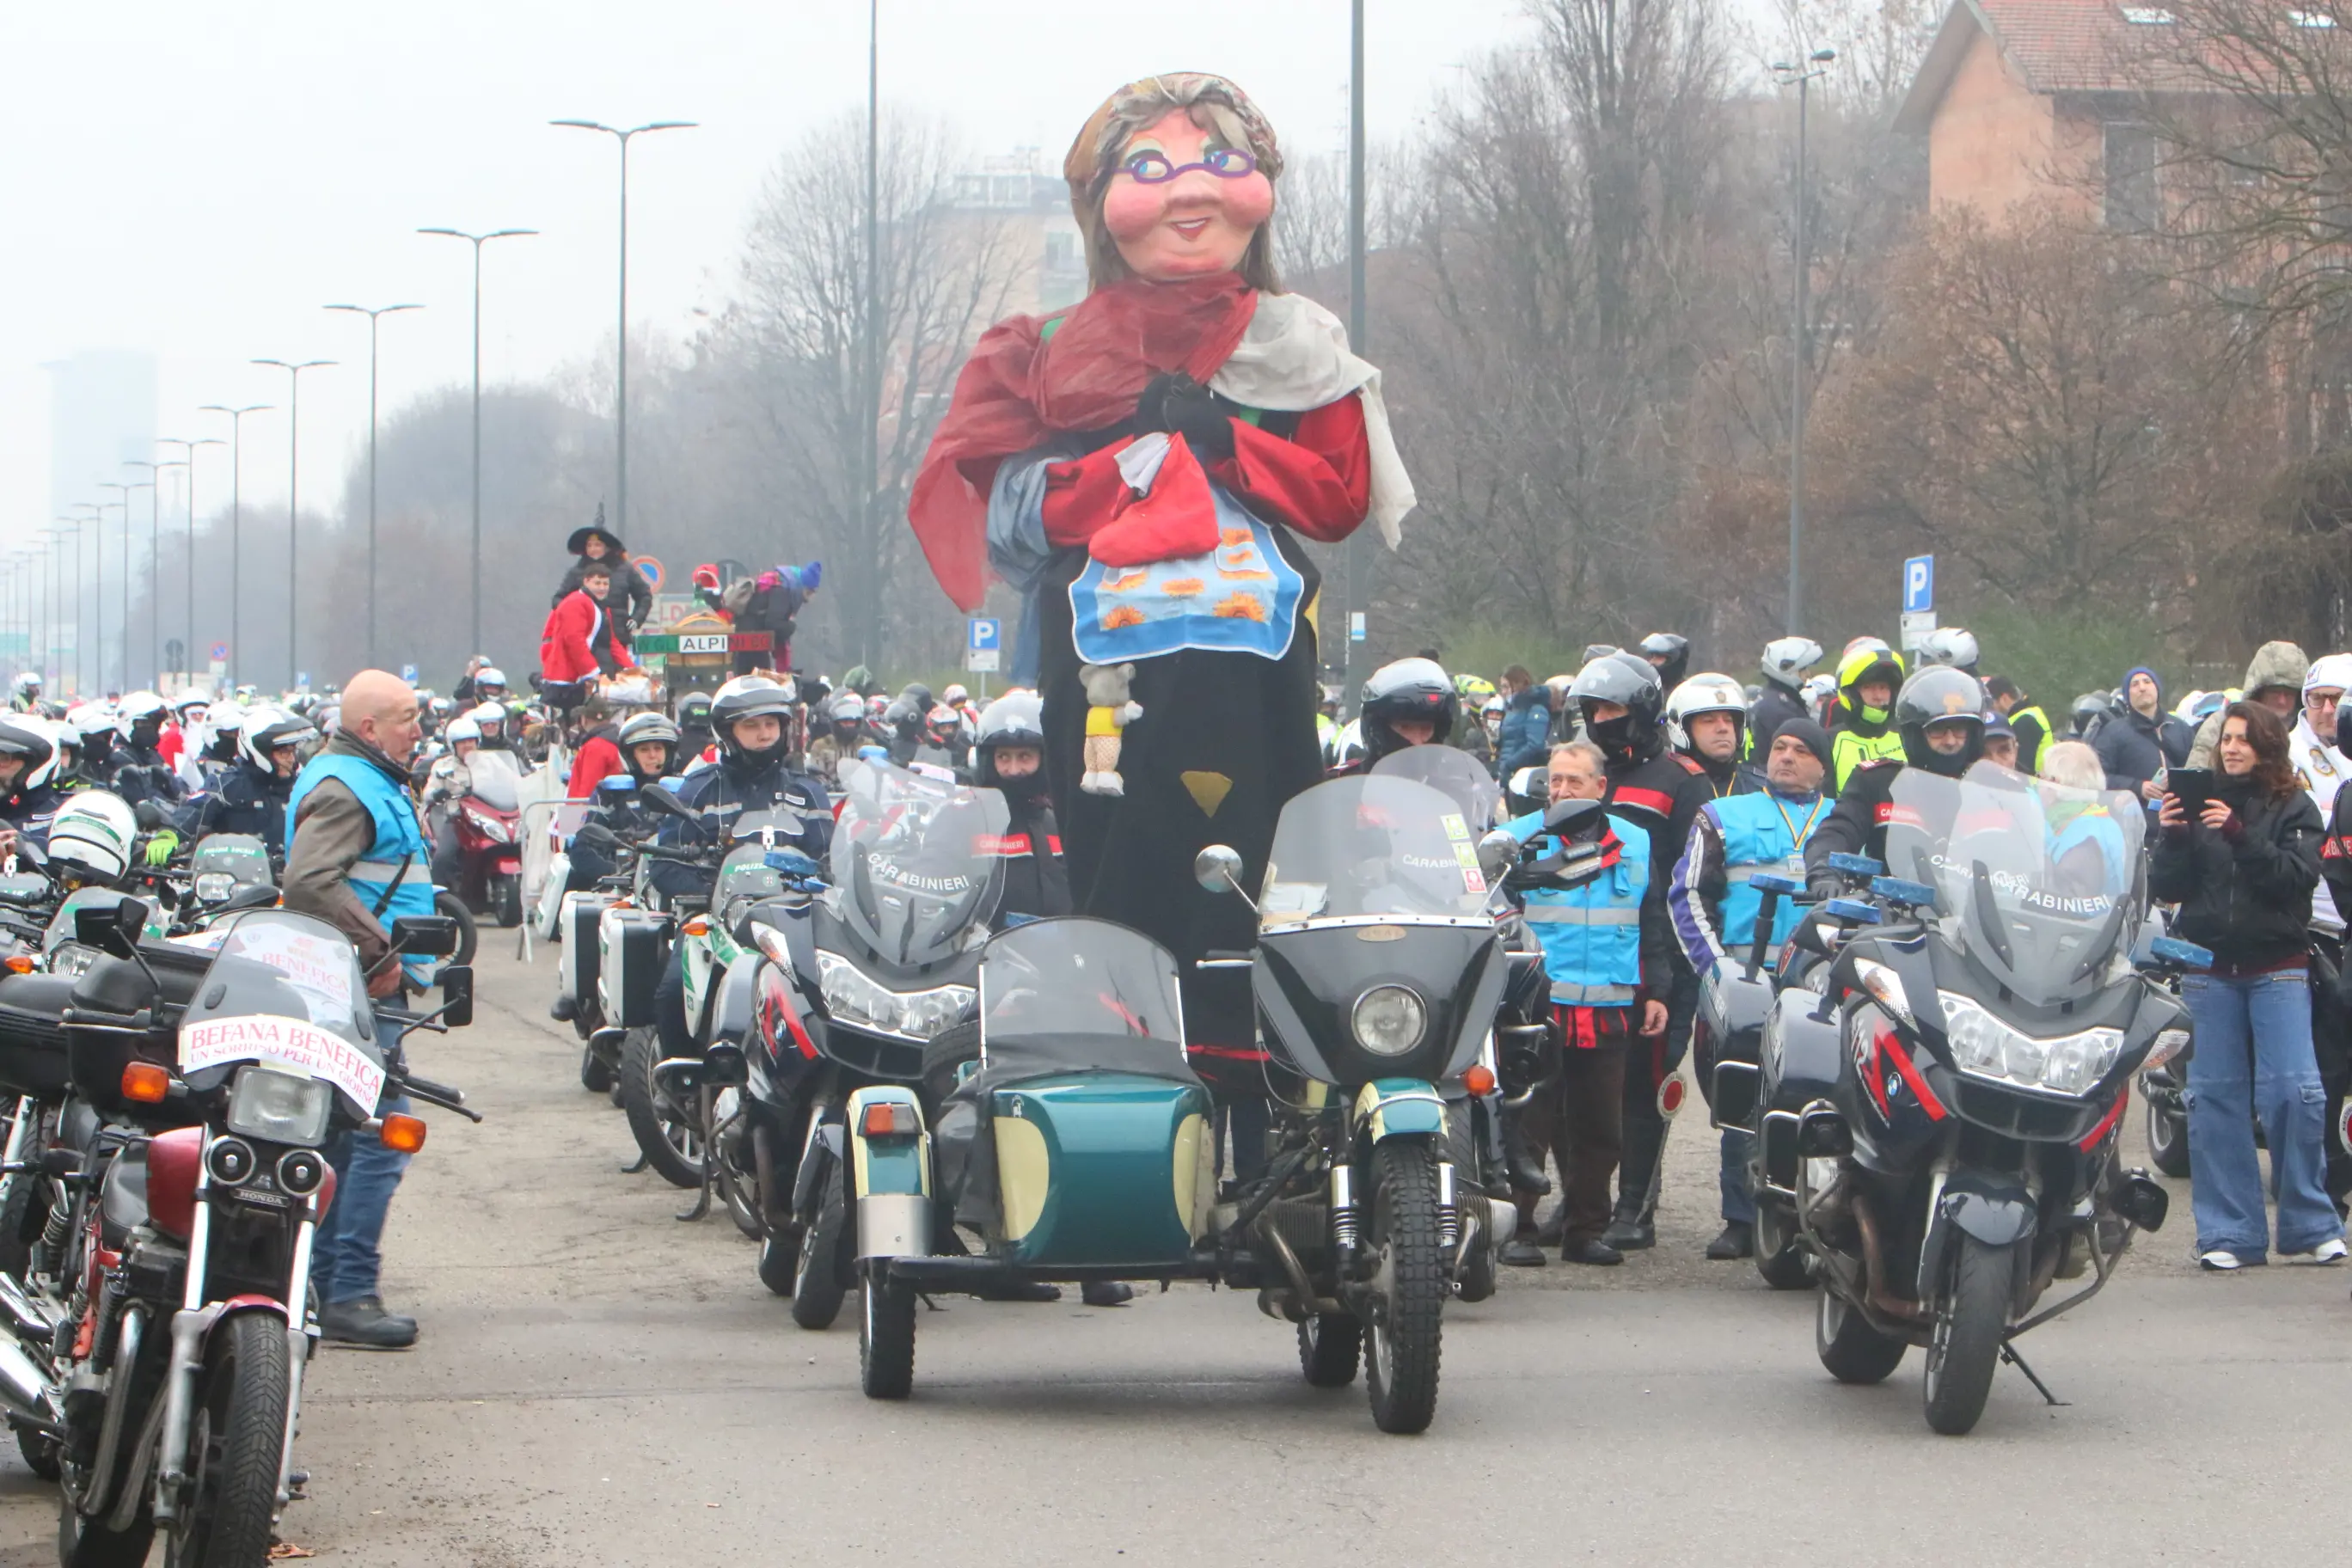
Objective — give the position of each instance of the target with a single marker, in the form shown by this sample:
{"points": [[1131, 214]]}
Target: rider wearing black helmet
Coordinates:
{"points": [[27, 800], [1669, 655], [252, 794], [1010, 759], [751, 716], [694, 736], [1410, 703], [1621, 700], [1940, 714]]}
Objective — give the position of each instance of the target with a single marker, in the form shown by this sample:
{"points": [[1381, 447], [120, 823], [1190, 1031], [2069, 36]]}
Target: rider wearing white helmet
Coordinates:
{"points": [[27, 697]]}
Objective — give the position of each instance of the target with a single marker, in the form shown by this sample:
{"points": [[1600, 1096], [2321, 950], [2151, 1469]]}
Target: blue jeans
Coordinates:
{"points": [[345, 1260], [1739, 1203], [2229, 1085]]}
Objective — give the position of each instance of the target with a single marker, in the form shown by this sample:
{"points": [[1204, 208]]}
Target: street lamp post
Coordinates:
{"points": [[621, 387], [477, 241], [188, 457], [1802, 73], [293, 503], [236, 528], [372, 314], [125, 504], [154, 557], [84, 638]]}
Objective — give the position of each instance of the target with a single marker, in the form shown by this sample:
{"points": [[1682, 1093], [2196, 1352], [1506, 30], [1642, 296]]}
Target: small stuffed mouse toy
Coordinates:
{"points": [[1108, 711]]}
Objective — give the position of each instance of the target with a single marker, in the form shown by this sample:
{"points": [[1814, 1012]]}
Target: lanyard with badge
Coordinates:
{"points": [[1798, 835]]}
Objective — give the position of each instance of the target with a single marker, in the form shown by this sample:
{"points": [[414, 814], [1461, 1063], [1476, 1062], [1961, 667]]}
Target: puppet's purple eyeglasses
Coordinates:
{"points": [[1225, 162]]}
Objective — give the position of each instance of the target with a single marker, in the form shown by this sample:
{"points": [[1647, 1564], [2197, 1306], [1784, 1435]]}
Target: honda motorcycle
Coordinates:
{"points": [[1960, 1077], [488, 821], [161, 1375]]}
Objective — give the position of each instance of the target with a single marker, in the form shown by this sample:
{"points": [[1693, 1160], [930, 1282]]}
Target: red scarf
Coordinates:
{"points": [[1019, 389]]}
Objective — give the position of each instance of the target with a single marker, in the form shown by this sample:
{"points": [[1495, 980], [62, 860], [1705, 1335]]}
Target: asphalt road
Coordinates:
{"points": [[598, 1383]]}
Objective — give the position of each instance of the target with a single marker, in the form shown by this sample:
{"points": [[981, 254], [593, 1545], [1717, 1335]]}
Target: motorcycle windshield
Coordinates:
{"points": [[1078, 992], [1453, 773], [494, 779], [285, 990], [240, 856], [1372, 846], [2039, 883], [916, 862]]}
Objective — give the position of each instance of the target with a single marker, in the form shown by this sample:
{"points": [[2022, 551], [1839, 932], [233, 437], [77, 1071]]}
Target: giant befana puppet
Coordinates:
{"points": [[1141, 467]]}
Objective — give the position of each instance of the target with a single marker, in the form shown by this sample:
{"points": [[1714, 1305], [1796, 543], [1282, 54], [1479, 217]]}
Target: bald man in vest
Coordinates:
{"points": [[357, 858]]}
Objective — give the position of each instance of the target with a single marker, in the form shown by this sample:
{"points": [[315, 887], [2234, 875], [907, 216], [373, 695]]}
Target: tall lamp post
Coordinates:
{"points": [[188, 457], [236, 528], [1802, 73], [372, 314], [83, 634], [293, 503], [477, 241], [620, 388], [125, 504], [154, 557]]}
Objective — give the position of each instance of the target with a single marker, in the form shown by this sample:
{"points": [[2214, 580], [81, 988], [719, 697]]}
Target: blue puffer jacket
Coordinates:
{"points": [[1525, 741]]}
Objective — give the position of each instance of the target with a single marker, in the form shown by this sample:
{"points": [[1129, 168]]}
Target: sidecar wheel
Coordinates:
{"points": [[1329, 1345], [886, 1339], [1403, 1337]]}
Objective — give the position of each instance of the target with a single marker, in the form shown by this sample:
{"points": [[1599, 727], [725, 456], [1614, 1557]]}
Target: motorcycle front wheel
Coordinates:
{"points": [[448, 903], [505, 898], [2167, 1141], [670, 1135], [1403, 1335], [1851, 1350], [233, 1443], [818, 1290], [1965, 1347]]}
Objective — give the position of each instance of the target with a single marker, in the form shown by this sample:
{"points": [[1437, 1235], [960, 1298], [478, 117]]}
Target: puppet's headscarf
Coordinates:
{"points": [[1093, 159]]}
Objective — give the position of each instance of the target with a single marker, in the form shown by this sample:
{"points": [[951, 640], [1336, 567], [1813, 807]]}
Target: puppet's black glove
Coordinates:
{"points": [[1175, 403]]}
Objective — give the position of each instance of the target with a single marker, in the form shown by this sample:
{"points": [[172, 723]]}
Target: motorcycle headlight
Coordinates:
{"points": [[1984, 1047], [72, 958], [1388, 1020], [278, 1107], [211, 886], [855, 997]]}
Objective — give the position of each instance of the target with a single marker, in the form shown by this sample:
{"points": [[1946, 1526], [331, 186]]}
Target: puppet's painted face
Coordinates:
{"points": [[1196, 224]]}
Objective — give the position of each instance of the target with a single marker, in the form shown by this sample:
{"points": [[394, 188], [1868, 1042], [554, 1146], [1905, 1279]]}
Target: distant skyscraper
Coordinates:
{"points": [[102, 415]]}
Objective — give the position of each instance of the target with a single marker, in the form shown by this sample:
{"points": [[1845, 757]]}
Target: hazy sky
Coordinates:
{"points": [[199, 179]]}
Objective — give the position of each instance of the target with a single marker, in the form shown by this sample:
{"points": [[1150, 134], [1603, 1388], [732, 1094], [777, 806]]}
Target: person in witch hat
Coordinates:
{"points": [[632, 597]]}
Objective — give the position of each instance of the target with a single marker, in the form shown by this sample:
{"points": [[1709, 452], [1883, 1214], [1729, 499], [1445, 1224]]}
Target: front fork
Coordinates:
{"points": [[193, 1323]]}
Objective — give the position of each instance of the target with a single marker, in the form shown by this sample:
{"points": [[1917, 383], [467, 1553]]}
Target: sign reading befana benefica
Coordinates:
{"points": [[282, 1042]]}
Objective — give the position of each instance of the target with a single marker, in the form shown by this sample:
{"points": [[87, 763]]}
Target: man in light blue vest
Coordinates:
{"points": [[1584, 887], [1715, 908], [357, 858]]}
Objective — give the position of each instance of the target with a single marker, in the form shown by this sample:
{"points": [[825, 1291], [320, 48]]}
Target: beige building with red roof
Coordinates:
{"points": [[2023, 100]]}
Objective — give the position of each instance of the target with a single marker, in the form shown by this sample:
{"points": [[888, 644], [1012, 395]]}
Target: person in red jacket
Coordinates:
{"points": [[581, 640], [599, 752]]}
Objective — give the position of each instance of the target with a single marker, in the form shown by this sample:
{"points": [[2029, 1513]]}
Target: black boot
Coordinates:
{"points": [[1527, 1172], [1738, 1240], [365, 1323], [1107, 1293]]}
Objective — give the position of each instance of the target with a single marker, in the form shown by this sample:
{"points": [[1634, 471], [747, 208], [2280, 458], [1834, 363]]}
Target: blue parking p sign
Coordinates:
{"points": [[1918, 585], [986, 633]]}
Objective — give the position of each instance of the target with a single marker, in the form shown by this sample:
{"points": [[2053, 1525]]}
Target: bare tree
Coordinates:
{"points": [[788, 357]]}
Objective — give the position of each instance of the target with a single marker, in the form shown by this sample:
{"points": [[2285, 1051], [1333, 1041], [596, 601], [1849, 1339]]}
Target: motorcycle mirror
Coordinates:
{"points": [[1531, 783], [425, 936], [131, 919], [1218, 869], [662, 799], [94, 926], [150, 815], [1496, 853], [458, 995]]}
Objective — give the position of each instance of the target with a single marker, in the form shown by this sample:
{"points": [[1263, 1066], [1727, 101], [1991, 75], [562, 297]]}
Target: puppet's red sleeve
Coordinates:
{"points": [[1319, 480]]}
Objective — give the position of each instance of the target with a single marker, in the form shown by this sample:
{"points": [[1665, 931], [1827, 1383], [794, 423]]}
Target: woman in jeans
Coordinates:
{"points": [[2243, 869]]}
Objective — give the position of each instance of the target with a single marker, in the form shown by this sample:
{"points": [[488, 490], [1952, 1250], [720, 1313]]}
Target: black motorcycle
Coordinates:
{"points": [[870, 980], [1941, 1116]]}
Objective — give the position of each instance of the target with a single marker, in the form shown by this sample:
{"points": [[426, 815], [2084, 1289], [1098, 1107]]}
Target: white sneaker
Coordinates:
{"points": [[2332, 1251], [2219, 1262]]}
